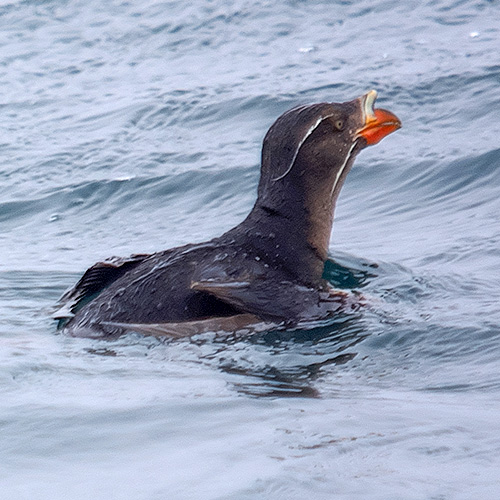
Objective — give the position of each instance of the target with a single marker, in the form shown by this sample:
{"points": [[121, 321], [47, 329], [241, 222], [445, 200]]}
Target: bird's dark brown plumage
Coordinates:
{"points": [[268, 269]]}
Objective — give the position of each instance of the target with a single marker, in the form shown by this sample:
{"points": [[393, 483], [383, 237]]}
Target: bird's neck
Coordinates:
{"points": [[298, 244]]}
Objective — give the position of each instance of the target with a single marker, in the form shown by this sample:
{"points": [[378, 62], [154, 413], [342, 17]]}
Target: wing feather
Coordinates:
{"points": [[93, 282]]}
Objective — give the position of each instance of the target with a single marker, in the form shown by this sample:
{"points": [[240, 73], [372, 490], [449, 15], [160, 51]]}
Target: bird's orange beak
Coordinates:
{"points": [[378, 122]]}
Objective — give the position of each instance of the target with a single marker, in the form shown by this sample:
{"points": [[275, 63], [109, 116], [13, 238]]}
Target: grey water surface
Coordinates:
{"points": [[131, 127]]}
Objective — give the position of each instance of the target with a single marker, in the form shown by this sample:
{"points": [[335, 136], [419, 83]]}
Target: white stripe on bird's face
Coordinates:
{"points": [[342, 168], [311, 129]]}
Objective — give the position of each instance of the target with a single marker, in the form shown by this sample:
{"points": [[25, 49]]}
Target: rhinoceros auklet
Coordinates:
{"points": [[266, 270]]}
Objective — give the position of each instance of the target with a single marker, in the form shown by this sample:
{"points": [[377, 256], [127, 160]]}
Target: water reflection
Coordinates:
{"points": [[288, 363]]}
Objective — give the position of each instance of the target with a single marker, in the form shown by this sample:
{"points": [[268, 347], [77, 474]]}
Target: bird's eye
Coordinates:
{"points": [[339, 124]]}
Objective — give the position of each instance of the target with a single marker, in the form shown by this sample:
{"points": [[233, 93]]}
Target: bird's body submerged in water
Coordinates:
{"points": [[268, 269]]}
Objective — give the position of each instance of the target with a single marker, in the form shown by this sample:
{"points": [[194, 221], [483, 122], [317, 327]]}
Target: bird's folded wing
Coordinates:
{"points": [[271, 300]]}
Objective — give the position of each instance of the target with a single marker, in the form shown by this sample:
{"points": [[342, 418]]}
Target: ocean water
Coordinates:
{"points": [[132, 127]]}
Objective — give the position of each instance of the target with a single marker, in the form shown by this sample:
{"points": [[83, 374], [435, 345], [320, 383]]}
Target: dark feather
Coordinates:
{"points": [[93, 282]]}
